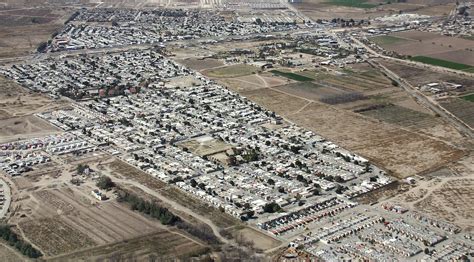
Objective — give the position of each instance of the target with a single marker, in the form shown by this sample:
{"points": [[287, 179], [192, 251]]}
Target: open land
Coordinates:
{"points": [[22, 30], [430, 48], [249, 129]]}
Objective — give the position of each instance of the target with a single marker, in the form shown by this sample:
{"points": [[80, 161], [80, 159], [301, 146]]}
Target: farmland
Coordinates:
{"points": [[440, 62], [291, 76], [461, 108], [401, 116], [468, 97], [430, 48], [352, 3], [163, 245], [388, 40], [420, 76]]}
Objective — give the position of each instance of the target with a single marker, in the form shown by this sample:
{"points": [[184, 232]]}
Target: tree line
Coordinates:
{"points": [[165, 216], [15, 241], [152, 209]]}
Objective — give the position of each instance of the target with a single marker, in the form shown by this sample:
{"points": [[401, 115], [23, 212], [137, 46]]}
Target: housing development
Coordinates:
{"points": [[239, 131]]}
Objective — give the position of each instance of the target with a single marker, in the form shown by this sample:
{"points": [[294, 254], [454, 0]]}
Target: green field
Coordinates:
{"points": [[440, 62], [292, 76], [352, 3], [471, 37], [387, 40], [469, 70], [232, 71], [468, 97]]}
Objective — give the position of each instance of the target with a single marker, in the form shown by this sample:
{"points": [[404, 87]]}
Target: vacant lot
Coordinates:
{"points": [[312, 91], [18, 101], [231, 71], [127, 171], [24, 127], [260, 240], [200, 64], [452, 201], [8, 254], [219, 218], [21, 31]]}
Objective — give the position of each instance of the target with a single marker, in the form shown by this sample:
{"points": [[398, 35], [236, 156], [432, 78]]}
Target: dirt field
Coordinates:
{"points": [[200, 64], [18, 101], [312, 91], [22, 30], [162, 245], [260, 240], [231, 71], [126, 171], [24, 127], [452, 202], [7, 254]]}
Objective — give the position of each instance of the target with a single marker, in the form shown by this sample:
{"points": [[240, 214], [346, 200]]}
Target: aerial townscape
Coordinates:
{"points": [[226, 130]]}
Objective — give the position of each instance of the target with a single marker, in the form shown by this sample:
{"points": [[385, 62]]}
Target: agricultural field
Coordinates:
{"points": [[387, 40], [162, 245], [352, 3], [231, 71], [461, 108], [468, 97], [430, 48], [292, 76], [440, 62], [62, 238], [400, 116], [420, 76]]}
